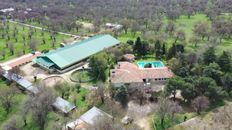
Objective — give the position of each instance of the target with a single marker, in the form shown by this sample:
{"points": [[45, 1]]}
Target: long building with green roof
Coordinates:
{"points": [[70, 55]]}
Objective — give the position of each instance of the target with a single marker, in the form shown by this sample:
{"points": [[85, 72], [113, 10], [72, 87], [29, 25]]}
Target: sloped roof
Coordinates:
{"points": [[63, 105], [19, 61], [93, 114], [126, 72], [70, 54]]}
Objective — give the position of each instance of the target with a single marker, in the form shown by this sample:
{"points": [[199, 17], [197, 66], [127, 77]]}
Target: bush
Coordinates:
{"points": [[3, 114], [83, 98], [78, 86]]}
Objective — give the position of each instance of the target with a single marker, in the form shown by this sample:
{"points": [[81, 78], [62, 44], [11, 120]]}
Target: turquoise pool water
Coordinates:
{"points": [[152, 64]]}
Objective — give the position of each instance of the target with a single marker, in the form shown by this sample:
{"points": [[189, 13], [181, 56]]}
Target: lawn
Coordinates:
{"points": [[129, 36], [80, 98], [187, 25], [19, 44], [82, 76]]}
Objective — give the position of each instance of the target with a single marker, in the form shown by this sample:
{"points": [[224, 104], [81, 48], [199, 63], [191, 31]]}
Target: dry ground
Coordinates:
{"points": [[141, 114], [210, 121]]}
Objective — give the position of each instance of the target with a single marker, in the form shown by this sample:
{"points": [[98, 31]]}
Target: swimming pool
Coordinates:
{"points": [[152, 64]]}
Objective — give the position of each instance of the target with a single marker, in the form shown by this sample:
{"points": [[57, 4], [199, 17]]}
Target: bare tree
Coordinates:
{"points": [[201, 29], [166, 108], [180, 35], [33, 45], [11, 47], [3, 53], [126, 24], [40, 106], [7, 97], [101, 90], [200, 103], [11, 125], [105, 123], [137, 92], [171, 27], [62, 88], [93, 98]]}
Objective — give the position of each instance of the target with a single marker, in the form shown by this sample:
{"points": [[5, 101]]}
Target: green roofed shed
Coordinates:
{"points": [[71, 54]]}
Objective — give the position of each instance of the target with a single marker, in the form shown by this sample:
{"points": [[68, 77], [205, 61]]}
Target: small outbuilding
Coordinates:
{"points": [[63, 105], [87, 119], [128, 57]]}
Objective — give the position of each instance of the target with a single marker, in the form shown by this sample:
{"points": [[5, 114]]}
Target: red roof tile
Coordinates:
{"points": [[126, 72]]}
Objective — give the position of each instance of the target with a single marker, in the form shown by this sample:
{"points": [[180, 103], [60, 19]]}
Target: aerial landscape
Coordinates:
{"points": [[115, 65]]}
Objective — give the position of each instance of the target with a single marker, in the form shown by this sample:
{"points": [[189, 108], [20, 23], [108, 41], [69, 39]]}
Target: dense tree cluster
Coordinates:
{"points": [[209, 77], [63, 13]]}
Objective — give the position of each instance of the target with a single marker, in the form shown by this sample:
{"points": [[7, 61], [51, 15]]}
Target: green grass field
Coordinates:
{"points": [[187, 25], [19, 45]]}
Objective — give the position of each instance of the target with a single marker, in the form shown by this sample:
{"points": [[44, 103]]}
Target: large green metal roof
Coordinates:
{"points": [[70, 54]]}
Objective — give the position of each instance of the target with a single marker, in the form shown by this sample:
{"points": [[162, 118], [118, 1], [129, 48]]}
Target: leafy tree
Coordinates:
{"points": [[163, 49], [200, 103], [227, 82], [173, 85], [171, 52], [158, 51], [188, 92], [224, 61], [99, 64], [174, 64], [207, 86], [213, 71], [138, 45], [180, 48], [144, 50], [121, 96], [209, 56]]}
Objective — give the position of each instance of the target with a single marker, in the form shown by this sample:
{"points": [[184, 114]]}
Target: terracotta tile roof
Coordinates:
{"points": [[126, 72], [19, 61]]}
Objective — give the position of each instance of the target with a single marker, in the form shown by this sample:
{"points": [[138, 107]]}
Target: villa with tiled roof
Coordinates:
{"points": [[127, 73]]}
